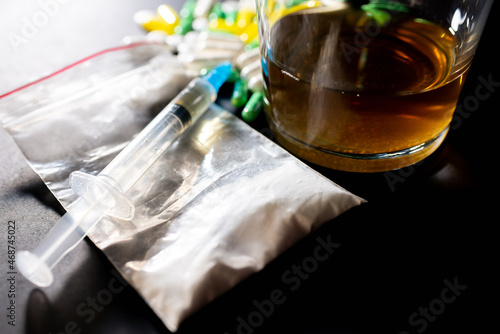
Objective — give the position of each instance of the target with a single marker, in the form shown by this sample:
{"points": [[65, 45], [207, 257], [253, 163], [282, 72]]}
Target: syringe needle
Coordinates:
{"points": [[104, 194]]}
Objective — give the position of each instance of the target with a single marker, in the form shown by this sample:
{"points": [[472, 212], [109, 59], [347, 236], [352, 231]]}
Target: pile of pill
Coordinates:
{"points": [[207, 32]]}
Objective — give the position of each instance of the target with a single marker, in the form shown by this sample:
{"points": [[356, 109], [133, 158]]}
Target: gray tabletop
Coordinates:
{"points": [[416, 240]]}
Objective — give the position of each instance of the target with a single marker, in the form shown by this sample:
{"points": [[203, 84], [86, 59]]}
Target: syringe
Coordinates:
{"points": [[105, 194]]}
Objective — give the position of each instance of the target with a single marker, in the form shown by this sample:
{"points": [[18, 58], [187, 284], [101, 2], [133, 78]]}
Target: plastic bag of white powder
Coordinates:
{"points": [[218, 206]]}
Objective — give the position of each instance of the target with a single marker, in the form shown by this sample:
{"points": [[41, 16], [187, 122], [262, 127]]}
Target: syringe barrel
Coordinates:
{"points": [[143, 151]]}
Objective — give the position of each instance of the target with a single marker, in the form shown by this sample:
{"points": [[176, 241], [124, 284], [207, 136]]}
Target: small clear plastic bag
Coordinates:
{"points": [[218, 206]]}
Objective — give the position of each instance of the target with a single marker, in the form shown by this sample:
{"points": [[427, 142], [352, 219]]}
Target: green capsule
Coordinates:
{"points": [[381, 17], [186, 15], [393, 6], [216, 12], [230, 15], [187, 11], [253, 107], [234, 75], [184, 26], [240, 93], [252, 44], [291, 3]]}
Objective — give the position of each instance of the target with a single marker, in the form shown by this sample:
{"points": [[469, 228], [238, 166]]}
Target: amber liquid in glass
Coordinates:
{"points": [[338, 82]]}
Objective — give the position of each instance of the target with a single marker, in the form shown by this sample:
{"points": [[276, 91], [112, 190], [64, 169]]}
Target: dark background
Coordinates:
{"points": [[432, 223]]}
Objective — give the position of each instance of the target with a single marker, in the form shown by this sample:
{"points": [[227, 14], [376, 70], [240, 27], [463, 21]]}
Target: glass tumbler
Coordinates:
{"points": [[365, 86]]}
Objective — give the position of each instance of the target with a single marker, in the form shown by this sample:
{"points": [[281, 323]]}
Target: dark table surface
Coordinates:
{"points": [[418, 257]]}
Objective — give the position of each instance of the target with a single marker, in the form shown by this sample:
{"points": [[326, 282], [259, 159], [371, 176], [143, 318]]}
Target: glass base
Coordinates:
{"points": [[360, 163]]}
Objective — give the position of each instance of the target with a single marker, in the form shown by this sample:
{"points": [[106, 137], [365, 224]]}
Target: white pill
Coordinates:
{"points": [[158, 36], [203, 7], [256, 83], [198, 62], [247, 57], [210, 53], [174, 40], [250, 69], [200, 23], [209, 45], [220, 36]]}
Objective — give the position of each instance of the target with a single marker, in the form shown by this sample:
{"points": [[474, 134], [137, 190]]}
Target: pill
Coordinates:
{"points": [[198, 62], [184, 26], [208, 54], [239, 96], [253, 107], [377, 13], [194, 42], [248, 4], [249, 33], [158, 36], [174, 40], [250, 69], [216, 12], [220, 45], [230, 9], [170, 18], [220, 36], [165, 18], [244, 18], [168, 14], [203, 7], [186, 18], [296, 5], [223, 25], [256, 83], [200, 24], [187, 10], [291, 3], [213, 35], [233, 75], [271, 5], [230, 19], [247, 57], [253, 44]]}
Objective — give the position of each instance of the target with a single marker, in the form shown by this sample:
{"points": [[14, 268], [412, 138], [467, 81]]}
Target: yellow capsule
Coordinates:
{"points": [[249, 33], [223, 25], [270, 6], [302, 6], [276, 14], [169, 16], [165, 19], [148, 19], [244, 18], [252, 44], [154, 24]]}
